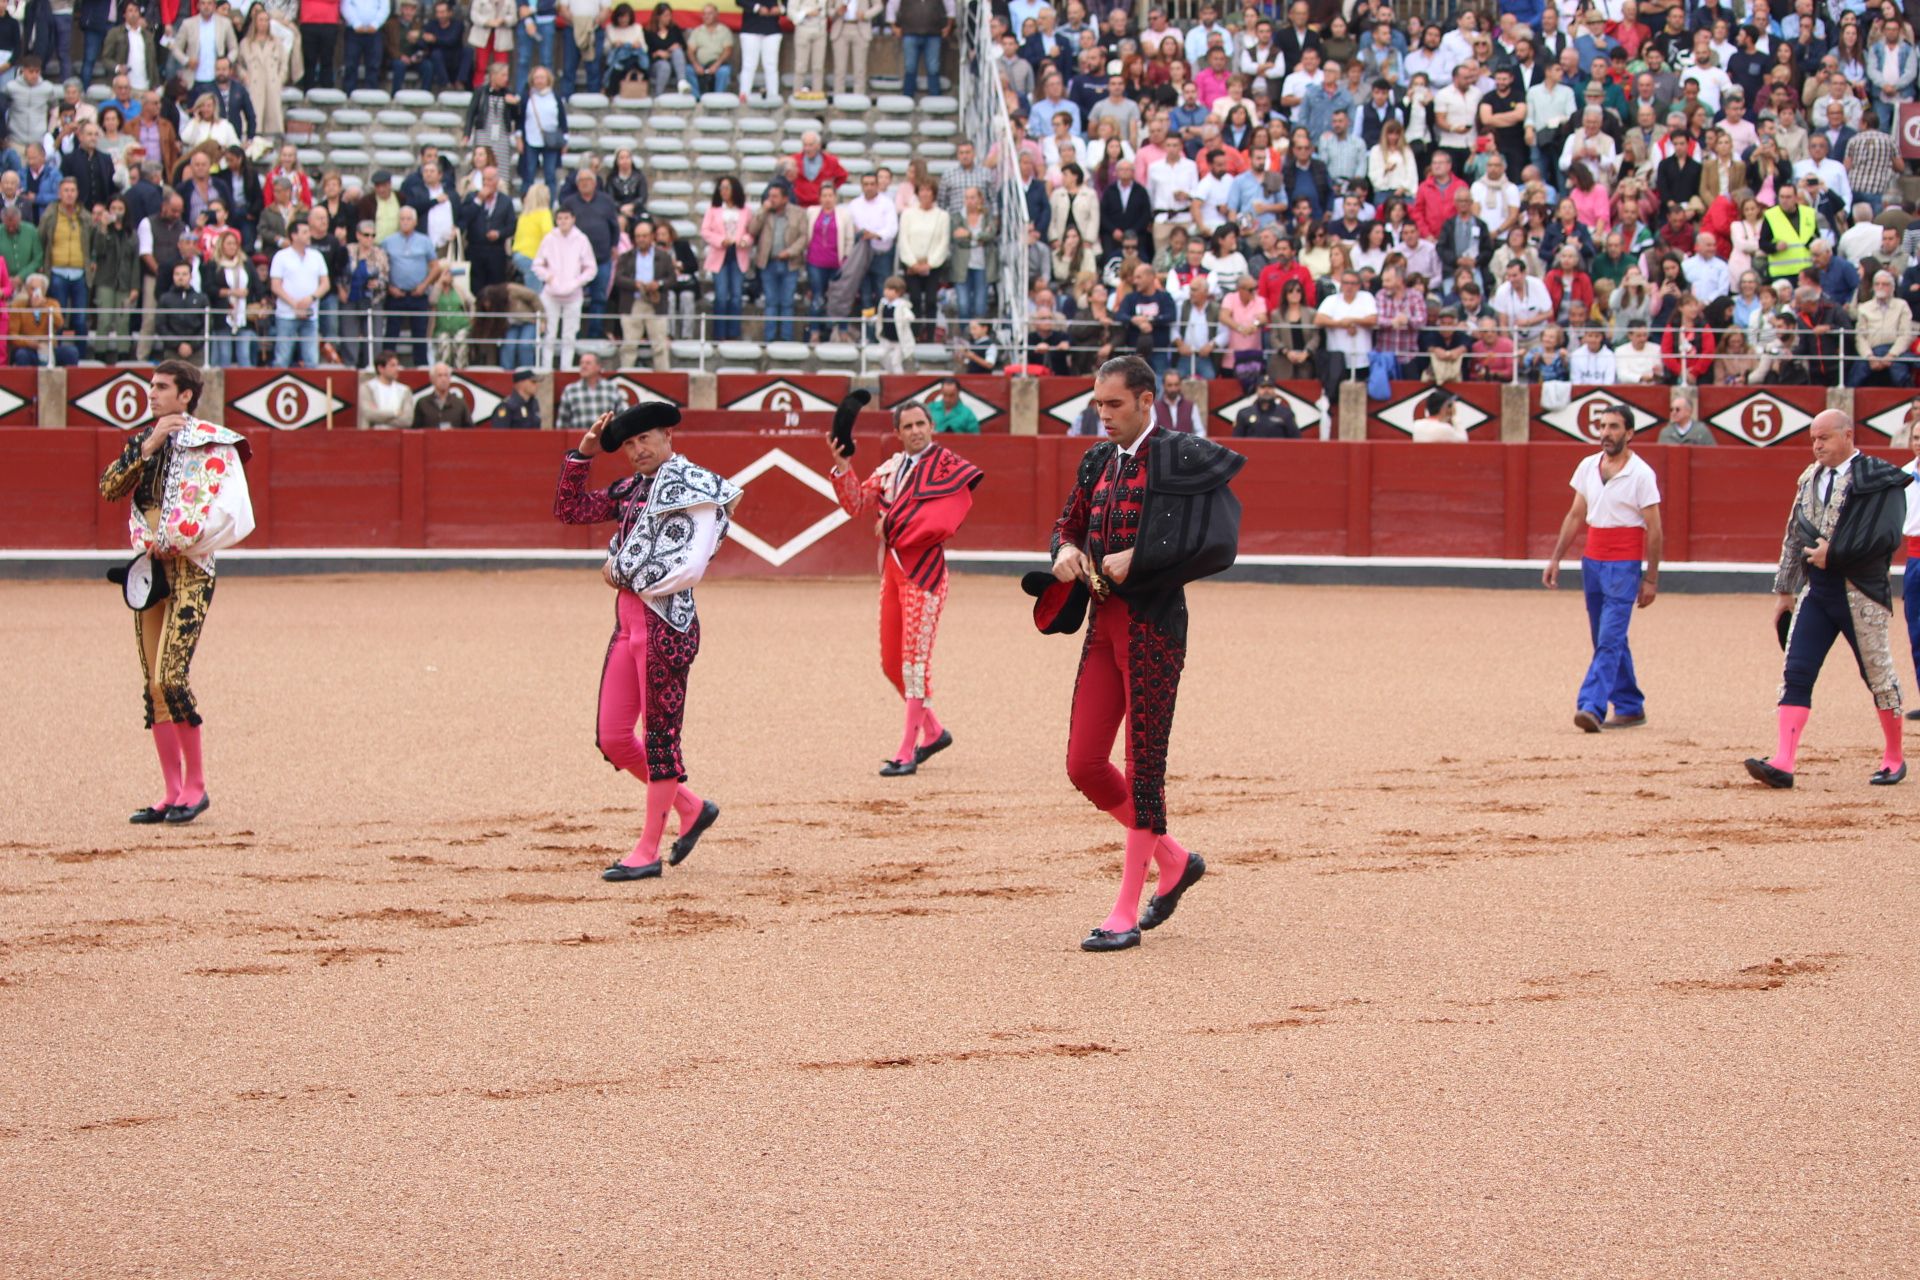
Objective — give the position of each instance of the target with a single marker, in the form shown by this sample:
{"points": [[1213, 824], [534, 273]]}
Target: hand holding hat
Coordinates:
{"points": [[649, 415], [843, 420]]}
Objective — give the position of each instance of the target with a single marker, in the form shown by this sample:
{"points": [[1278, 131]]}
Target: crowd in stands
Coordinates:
{"points": [[1593, 191], [1585, 192]]}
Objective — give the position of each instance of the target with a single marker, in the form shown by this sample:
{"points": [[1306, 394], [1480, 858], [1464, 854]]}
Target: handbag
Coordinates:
{"points": [[142, 582]]}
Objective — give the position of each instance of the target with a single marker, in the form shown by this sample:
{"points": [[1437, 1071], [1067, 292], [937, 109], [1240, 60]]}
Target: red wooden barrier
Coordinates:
{"points": [[495, 490]]}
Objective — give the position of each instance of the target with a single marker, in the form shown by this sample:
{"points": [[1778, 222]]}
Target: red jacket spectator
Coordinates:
{"points": [[1558, 282], [806, 191], [1490, 361], [1433, 205], [1699, 363], [1273, 283]]}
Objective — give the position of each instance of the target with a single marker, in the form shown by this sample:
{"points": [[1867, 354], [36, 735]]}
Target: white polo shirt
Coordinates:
{"points": [[1616, 503], [1913, 500]]}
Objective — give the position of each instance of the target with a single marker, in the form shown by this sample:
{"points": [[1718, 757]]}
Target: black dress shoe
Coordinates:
{"points": [[1914, 714], [621, 871], [1764, 772], [1624, 722], [899, 768], [922, 754], [1889, 777], [1106, 940], [150, 815], [1587, 720], [1160, 907], [691, 836], [178, 813]]}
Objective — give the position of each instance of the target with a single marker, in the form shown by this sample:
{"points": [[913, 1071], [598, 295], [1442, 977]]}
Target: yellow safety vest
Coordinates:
{"points": [[1790, 254]]}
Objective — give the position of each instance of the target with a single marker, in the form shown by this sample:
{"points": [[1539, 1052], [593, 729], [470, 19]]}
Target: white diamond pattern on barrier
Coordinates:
{"points": [[1305, 413], [637, 393], [781, 396], [780, 459], [983, 412], [1579, 416], [1761, 419], [9, 402], [1069, 411], [121, 401], [1407, 410], [288, 404], [1888, 422]]}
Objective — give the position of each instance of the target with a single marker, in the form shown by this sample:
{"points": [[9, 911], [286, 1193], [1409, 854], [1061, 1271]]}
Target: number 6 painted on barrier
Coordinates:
{"points": [[287, 403], [129, 404]]}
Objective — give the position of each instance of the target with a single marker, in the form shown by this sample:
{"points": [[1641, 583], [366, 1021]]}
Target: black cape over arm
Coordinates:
{"points": [[1189, 527], [1869, 531]]}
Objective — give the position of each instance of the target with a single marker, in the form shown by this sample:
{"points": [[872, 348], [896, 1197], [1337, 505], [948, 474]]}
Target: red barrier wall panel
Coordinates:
{"points": [[1739, 502], [1430, 500], [1293, 497], [334, 489], [53, 489]]}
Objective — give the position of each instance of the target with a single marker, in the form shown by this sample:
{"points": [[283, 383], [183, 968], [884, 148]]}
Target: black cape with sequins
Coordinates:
{"points": [[1189, 524]]}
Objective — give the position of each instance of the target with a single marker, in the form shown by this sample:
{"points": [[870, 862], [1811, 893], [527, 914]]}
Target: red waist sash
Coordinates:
{"points": [[1913, 546], [1624, 543]]}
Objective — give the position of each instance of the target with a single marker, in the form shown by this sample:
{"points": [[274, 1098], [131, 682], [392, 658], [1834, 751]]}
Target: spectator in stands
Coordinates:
{"points": [[234, 291], [30, 101], [1592, 363], [949, 412], [981, 354], [565, 266], [36, 326], [1444, 349], [1637, 360], [532, 226], [414, 267], [183, 316], [543, 127], [876, 221], [1195, 329], [1523, 304], [666, 48], [974, 260], [386, 403], [442, 44], [598, 218], [725, 229], [298, 279], [132, 46], [1548, 361], [924, 244], [154, 132], [520, 411], [1147, 312], [814, 169], [850, 32], [923, 25], [1402, 314], [403, 43], [778, 231], [1682, 427], [1268, 417], [440, 407], [113, 271], [66, 243], [1883, 339], [647, 272], [1491, 359], [1688, 345], [22, 247], [1349, 317], [589, 397], [760, 45]]}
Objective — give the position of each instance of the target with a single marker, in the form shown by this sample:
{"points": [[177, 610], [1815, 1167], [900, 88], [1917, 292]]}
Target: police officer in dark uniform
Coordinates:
{"points": [[1268, 417], [520, 411]]}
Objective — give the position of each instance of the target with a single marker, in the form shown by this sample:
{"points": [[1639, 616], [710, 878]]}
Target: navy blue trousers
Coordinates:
{"points": [[1823, 618], [1910, 590]]}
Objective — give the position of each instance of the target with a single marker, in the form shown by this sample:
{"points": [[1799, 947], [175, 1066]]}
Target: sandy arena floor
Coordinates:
{"points": [[1465, 993]]}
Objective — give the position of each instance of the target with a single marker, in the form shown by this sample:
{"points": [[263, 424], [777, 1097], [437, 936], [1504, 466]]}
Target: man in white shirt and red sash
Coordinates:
{"points": [[922, 495], [1910, 581], [1617, 496]]}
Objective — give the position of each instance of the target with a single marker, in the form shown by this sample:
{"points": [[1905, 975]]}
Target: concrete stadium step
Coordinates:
{"points": [[457, 99], [398, 119], [415, 98], [589, 102]]}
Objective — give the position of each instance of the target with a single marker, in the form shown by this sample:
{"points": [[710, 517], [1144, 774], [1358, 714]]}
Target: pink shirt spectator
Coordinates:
{"points": [[1211, 85]]}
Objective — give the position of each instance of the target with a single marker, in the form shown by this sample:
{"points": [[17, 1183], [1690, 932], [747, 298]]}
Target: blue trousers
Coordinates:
{"points": [[520, 348], [71, 294], [726, 298], [777, 284], [289, 330], [1612, 587], [593, 323], [917, 52], [523, 50], [364, 53], [973, 294], [408, 316], [818, 278]]}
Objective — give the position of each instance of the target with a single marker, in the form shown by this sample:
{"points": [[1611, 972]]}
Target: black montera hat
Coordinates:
{"points": [[651, 415]]}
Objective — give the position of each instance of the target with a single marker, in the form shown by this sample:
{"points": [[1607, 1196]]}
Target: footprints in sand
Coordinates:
{"points": [[1770, 976], [963, 1055]]}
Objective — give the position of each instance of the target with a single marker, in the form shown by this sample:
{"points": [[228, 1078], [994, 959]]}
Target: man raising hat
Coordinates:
{"points": [[1149, 512], [1842, 532], [672, 517], [922, 494]]}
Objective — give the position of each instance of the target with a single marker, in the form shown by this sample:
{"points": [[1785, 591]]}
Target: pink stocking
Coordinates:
{"points": [[193, 785], [916, 711], [166, 742], [686, 807], [1170, 856], [1890, 727], [1133, 878], [660, 798], [1793, 722], [930, 726]]}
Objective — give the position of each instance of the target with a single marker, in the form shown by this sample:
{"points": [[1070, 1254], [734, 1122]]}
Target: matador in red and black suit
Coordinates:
{"points": [[923, 494], [1150, 511]]}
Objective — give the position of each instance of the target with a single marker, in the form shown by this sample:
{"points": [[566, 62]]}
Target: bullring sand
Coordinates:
{"points": [[1466, 992]]}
